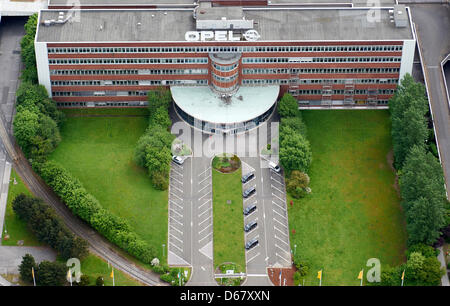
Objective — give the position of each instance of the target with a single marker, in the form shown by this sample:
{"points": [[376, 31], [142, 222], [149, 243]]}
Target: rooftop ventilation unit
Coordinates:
{"points": [[400, 16]]}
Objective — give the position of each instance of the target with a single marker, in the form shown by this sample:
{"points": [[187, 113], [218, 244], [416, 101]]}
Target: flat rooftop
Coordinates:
{"points": [[246, 104], [273, 24]]}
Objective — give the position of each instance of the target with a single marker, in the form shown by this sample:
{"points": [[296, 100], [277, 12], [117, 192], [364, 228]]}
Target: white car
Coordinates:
{"points": [[274, 166], [178, 159]]}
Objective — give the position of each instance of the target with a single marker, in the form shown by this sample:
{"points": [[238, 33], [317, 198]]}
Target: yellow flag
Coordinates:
{"points": [[69, 275], [112, 273], [319, 274], [32, 271], [360, 276], [403, 275]]}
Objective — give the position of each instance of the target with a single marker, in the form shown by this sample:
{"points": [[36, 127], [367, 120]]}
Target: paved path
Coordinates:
{"points": [[444, 280], [11, 257]]}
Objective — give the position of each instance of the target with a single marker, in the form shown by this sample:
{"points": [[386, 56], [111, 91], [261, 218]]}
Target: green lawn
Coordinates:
{"points": [[99, 152], [70, 112], [94, 267], [16, 228], [228, 219], [353, 212]]}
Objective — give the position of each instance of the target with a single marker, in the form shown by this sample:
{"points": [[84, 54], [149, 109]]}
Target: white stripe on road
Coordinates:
{"points": [[283, 209], [176, 196], [173, 186], [209, 184], [207, 201], [174, 228], [206, 227], [253, 257], [170, 217], [204, 195], [279, 214], [283, 258], [285, 226], [205, 237], [276, 228], [276, 237], [208, 218], [204, 212], [282, 192], [173, 245], [204, 179], [173, 210], [173, 236], [278, 197], [177, 180], [176, 204], [204, 171]]}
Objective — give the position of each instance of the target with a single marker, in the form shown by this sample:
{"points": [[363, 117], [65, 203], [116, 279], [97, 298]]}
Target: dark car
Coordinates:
{"points": [[249, 209], [247, 177], [248, 192], [251, 244], [249, 226]]}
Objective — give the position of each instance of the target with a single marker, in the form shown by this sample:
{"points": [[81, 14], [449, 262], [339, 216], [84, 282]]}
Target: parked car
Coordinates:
{"points": [[249, 226], [248, 192], [249, 209], [178, 159], [247, 177], [274, 166], [251, 244]]}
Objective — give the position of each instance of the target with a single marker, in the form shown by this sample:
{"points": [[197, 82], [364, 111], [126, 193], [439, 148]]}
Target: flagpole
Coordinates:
{"points": [[362, 276], [113, 279], [32, 273], [403, 277]]}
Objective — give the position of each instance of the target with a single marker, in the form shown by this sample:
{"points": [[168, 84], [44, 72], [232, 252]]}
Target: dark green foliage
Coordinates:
{"points": [[153, 150], [288, 106], [51, 274], [408, 108], [27, 50], [423, 194], [25, 268], [295, 151], [86, 206], [48, 227], [100, 281], [172, 277], [84, 281], [424, 249]]}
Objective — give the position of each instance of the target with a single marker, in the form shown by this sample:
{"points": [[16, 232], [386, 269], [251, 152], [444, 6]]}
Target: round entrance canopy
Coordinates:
{"points": [[247, 103]]}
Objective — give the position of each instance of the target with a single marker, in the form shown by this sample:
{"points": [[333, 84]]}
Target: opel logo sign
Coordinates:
{"points": [[251, 35]]}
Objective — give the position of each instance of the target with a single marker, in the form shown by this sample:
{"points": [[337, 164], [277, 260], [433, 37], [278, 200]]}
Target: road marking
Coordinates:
{"points": [[205, 237], [251, 197], [173, 186], [284, 225], [278, 197], [282, 192], [254, 248], [273, 172], [204, 179], [207, 201], [174, 228], [204, 195], [173, 236], [204, 171], [176, 196], [204, 212], [209, 184], [176, 204], [177, 180], [276, 237], [173, 210], [170, 217], [179, 173], [203, 268], [173, 245], [283, 209], [280, 231], [253, 257], [208, 218], [206, 227], [287, 252], [282, 258], [279, 214]]}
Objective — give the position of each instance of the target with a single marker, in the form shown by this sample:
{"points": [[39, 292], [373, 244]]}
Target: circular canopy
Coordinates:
{"points": [[246, 104]]}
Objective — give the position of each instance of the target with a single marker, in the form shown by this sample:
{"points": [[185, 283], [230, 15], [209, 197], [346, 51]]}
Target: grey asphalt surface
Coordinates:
{"points": [[432, 25], [11, 257]]}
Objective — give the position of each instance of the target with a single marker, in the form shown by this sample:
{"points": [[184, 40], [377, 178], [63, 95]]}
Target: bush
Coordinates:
{"points": [[51, 274], [99, 281], [296, 184], [160, 180], [288, 106], [295, 151], [84, 280], [28, 263]]}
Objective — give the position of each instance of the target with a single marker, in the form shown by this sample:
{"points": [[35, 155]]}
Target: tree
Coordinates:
{"points": [[295, 123], [28, 263], [295, 152], [160, 116], [84, 280], [26, 125], [408, 108], [158, 98], [288, 106], [51, 274], [423, 194]]}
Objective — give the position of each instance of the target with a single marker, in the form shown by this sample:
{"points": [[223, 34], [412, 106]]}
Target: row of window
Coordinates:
{"points": [[342, 91], [225, 79], [345, 81], [320, 70], [76, 61], [208, 49], [125, 82], [225, 68], [263, 82], [127, 71], [246, 60]]}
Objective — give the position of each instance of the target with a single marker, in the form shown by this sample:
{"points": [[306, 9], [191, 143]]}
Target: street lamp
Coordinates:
{"points": [[163, 246], [295, 249]]}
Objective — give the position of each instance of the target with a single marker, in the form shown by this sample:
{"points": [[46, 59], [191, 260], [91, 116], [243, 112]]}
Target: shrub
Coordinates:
{"points": [[84, 280], [296, 184], [288, 106], [51, 274], [28, 263], [99, 281]]}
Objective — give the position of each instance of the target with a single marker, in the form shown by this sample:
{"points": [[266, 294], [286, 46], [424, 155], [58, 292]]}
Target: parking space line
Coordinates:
{"points": [[273, 172], [176, 212], [253, 257], [205, 237], [204, 195], [176, 229], [204, 212], [204, 179], [283, 209], [278, 197], [209, 184], [287, 252], [251, 197], [206, 227], [207, 201], [208, 218], [278, 255], [282, 192], [285, 226], [177, 180], [173, 245], [176, 196], [276, 237], [204, 171], [176, 204], [279, 214], [170, 217], [280, 231], [253, 249], [177, 166], [173, 186], [179, 173], [173, 236], [275, 180]]}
